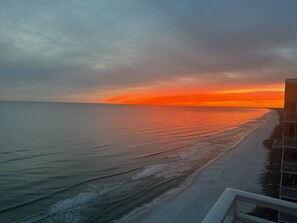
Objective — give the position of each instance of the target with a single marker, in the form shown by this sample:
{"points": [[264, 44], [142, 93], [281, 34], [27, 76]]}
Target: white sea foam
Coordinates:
{"points": [[163, 170], [72, 202], [145, 207], [73, 208], [150, 170]]}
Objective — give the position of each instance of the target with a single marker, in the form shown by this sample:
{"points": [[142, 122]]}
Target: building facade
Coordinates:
{"points": [[288, 184]]}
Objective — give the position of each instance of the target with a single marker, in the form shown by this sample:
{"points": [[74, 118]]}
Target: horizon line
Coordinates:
{"points": [[102, 103]]}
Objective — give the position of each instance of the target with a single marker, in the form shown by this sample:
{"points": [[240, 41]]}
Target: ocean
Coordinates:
{"points": [[67, 162]]}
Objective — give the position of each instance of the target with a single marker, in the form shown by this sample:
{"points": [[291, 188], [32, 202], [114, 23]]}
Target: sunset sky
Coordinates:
{"points": [[160, 52]]}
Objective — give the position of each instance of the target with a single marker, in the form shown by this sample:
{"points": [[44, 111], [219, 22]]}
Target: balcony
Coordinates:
{"points": [[225, 210], [289, 193], [290, 116], [290, 142], [289, 167]]}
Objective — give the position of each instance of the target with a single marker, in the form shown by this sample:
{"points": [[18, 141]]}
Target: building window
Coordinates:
{"points": [[292, 130], [292, 106]]}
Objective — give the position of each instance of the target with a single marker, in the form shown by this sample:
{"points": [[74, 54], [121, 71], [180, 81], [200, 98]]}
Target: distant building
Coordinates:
{"points": [[288, 184]]}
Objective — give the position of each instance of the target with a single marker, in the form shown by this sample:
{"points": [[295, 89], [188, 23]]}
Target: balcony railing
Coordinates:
{"points": [[289, 167], [290, 142], [290, 116], [289, 193], [226, 209]]}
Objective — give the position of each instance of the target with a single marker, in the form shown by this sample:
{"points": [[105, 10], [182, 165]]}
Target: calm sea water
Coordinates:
{"points": [[101, 163]]}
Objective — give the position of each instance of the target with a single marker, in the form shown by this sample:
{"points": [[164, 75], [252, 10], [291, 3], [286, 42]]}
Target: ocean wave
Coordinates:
{"points": [[162, 151], [65, 189], [150, 170], [169, 170], [72, 209], [29, 157]]}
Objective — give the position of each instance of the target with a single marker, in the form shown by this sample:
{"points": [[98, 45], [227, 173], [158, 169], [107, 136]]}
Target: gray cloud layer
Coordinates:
{"points": [[49, 49]]}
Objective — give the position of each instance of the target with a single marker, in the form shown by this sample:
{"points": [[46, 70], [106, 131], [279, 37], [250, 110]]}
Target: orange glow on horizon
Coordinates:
{"points": [[266, 96]]}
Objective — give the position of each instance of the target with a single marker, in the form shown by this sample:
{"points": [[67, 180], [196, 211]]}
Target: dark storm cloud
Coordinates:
{"points": [[64, 47]]}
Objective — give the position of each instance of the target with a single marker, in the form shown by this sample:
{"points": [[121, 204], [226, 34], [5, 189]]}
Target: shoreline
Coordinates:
{"points": [[270, 179], [172, 208]]}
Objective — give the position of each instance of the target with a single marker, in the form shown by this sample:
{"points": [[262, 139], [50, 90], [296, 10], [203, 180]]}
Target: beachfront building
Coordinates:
{"points": [[288, 184]]}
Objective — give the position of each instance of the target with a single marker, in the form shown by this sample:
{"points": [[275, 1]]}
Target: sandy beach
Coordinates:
{"points": [[239, 168]]}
